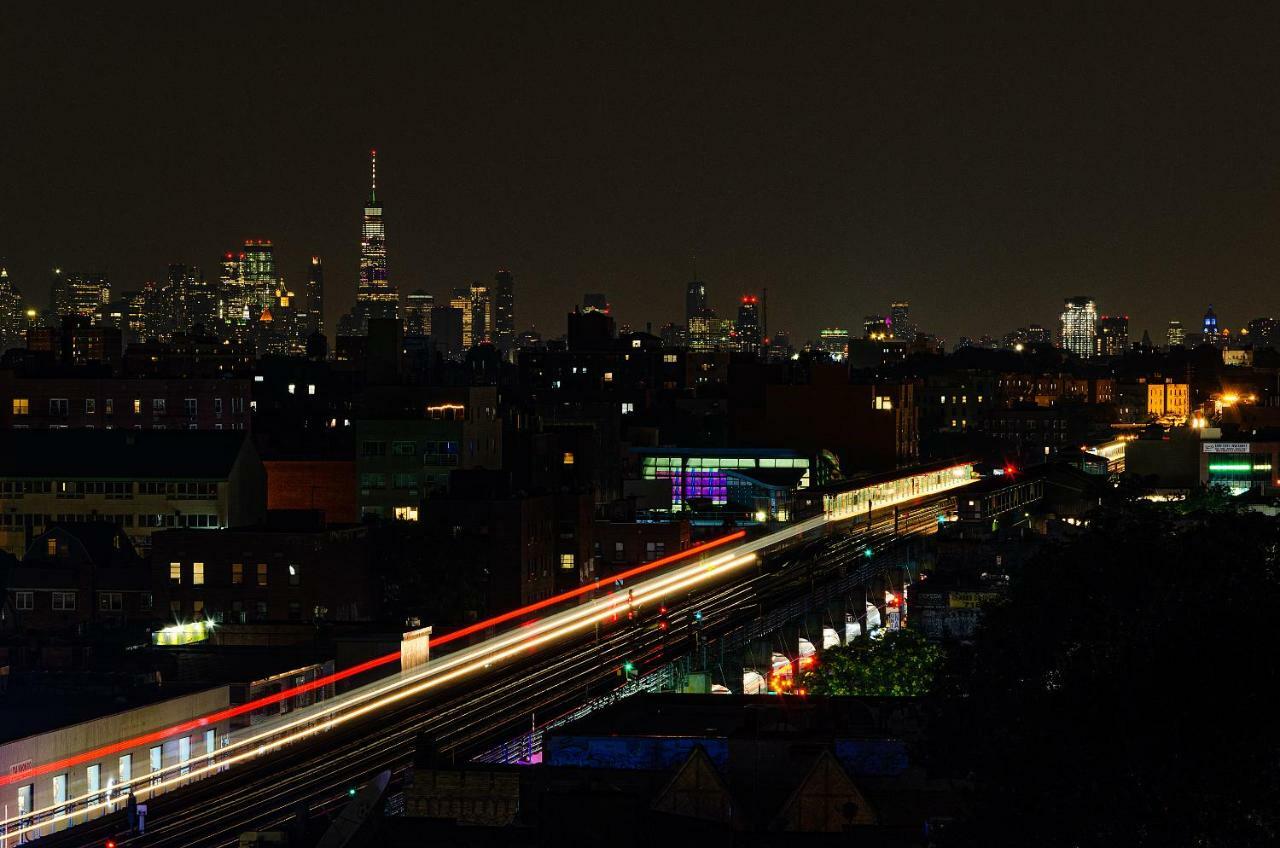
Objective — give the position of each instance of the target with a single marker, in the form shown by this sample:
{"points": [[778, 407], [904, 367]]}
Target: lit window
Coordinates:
{"points": [[21, 406], [568, 458], [51, 545], [628, 407], [406, 513], [566, 562], [635, 343], [608, 376], [237, 573], [670, 358], [292, 387], [197, 574], [262, 574], [175, 573], [883, 402], [257, 378], [294, 577], [311, 388], [137, 406]]}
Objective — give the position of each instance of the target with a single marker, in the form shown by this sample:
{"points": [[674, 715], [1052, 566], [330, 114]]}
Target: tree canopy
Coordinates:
{"points": [[1123, 695], [900, 663]]}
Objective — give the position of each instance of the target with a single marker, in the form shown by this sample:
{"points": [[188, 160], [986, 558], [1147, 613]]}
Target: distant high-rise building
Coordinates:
{"points": [[900, 326], [191, 300], [504, 311], [595, 302], [834, 341], [78, 294], [695, 301], [233, 299], [315, 296], [376, 297], [380, 298], [747, 328], [417, 313], [1080, 326], [1263, 332], [476, 305], [708, 332], [1175, 336], [258, 276], [446, 330], [1113, 335], [876, 327], [13, 321], [1210, 331]]}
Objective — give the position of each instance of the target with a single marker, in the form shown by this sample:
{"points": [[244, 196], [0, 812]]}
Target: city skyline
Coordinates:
{"points": [[884, 179]]}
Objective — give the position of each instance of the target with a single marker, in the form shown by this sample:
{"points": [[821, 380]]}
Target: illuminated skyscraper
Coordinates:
{"points": [[1113, 335], [258, 273], [12, 315], [747, 329], [504, 311], [315, 297], [1080, 326], [78, 294], [1211, 334], [375, 293], [900, 320], [1176, 335], [417, 313]]}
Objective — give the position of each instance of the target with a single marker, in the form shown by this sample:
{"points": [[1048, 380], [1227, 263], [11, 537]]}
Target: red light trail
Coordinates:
{"points": [[241, 709]]}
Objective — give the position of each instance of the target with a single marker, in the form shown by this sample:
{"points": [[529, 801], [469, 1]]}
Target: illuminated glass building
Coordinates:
{"points": [[375, 296], [1211, 334], [258, 275], [1080, 326], [13, 320], [695, 301], [1176, 335], [710, 484], [79, 294], [900, 325]]}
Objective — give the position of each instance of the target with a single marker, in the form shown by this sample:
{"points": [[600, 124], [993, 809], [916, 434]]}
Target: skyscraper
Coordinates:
{"points": [[1176, 335], [1211, 334], [315, 297], [900, 320], [1080, 326], [78, 294], [417, 313], [695, 301], [747, 329], [375, 294], [1113, 335], [12, 314], [233, 301], [504, 311], [258, 276], [191, 300]]}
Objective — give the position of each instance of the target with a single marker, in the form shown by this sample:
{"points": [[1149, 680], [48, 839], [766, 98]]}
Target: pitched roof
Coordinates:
{"points": [[137, 454]]}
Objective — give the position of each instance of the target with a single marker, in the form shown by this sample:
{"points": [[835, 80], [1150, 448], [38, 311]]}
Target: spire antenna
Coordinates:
{"points": [[373, 176]]}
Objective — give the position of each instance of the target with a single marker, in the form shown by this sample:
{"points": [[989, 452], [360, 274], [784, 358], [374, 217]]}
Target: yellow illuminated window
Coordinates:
{"points": [[21, 406], [51, 547], [137, 406], [262, 574], [175, 572], [568, 458], [237, 573], [197, 574], [406, 513], [566, 561]]}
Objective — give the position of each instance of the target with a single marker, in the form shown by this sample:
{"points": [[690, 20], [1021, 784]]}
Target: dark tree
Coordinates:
{"points": [[1124, 695], [900, 663]]}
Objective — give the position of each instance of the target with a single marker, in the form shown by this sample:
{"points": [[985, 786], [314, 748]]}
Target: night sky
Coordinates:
{"points": [[981, 162]]}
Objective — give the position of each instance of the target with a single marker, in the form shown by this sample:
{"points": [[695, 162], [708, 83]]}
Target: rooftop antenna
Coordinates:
{"points": [[373, 176]]}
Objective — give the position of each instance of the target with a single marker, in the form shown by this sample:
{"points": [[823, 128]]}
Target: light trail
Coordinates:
{"points": [[241, 709], [437, 671], [599, 610]]}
